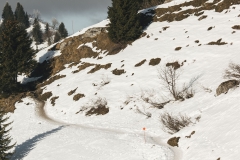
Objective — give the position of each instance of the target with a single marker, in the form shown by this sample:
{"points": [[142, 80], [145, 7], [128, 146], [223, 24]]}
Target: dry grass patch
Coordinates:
{"points": [[45, 96], [218, 42], [175, 65], [140, 63], [53, 99], [78, 96], [236, 27], [154, 61], [173, 141], [72, 91], [98, 67], [202, 17], [178, 48], [82, 67], [118, 71], [50, 80], [98, 107]]}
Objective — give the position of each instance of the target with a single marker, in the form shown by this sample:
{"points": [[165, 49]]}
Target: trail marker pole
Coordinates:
{"points": [[144, 136]]}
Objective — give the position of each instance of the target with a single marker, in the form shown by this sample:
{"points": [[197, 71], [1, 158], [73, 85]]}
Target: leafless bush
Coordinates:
{"points": [[143, 112], [149, 97], [173, 124], [233, 72], [169, 77]]}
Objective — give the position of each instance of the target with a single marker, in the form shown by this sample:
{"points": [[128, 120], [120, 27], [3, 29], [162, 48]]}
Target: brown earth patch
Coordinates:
{"points": [[175, 65], [72, 91], [178, 48], [173, 141], [236, 27], [169, 14], [98, 67], [100, 110], [154, 61], [53, 99], [118, 71], [140, 63], [82, 67], [218, 42], [45, 96], [165, 28], [78, 96], [210, 28], [50, 80], [8, 103], [202, 17]]}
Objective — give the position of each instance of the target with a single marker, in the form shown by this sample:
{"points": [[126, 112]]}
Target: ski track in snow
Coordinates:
{"points": [[40, 112]]}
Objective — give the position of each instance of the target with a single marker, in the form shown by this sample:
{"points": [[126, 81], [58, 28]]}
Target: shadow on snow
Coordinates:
{"points": [[22, 150]]}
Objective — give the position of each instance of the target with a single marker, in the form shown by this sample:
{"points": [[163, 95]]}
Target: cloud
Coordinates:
{"points": [[79, 10]]}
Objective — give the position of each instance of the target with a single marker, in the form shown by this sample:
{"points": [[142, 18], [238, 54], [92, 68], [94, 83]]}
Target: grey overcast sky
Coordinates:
{"points": [[81, 12]]}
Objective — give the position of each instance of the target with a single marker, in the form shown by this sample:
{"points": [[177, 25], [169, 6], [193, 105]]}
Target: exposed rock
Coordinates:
{"points": [[93, 32], [173, 141], [118, 71], [154, 61], [175, 65], [225, 86]]}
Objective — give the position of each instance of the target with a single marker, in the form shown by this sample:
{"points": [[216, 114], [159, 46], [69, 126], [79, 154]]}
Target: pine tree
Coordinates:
{"points": [[125, 21], [5, 139], [47, 34], [7, 13], [57, 37], [27, 23], [62, 31], [16, 55], [37, 32], [21, 16]]}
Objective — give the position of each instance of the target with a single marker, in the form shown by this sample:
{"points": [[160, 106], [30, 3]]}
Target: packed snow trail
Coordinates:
{"points": [[150, 140]]}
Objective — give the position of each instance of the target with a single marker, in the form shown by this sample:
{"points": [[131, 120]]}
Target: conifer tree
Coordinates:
{"points": [[125, 21], [37, 32], [62, 30], [47, 34], [27, 23], [5, 139], [16, 55], [21, 16], [7, 13]]}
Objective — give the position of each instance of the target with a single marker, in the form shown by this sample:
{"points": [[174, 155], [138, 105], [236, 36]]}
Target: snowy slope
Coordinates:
{"points": [[120, 131]]}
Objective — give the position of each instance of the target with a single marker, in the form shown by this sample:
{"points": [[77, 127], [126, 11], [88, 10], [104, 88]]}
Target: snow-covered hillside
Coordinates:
{"points": [[66, 130]]}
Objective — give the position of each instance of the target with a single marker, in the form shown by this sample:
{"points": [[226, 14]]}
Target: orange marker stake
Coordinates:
{"points": [[144, 134]]}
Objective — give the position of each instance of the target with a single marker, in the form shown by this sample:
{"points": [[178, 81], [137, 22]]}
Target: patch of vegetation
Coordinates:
{"points": [[78, 96], [178, 48], [98, 107], [118, 71], [72, 91], [202, 17], [173, 141], [175, 65], [218, 42], [154, 61], [173, 124], [53, 99], [140, 63], [45, 96], [236, 27], [98, 67]]}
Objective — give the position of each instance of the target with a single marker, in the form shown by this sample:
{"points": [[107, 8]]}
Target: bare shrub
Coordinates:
{"points": [[233, 71], [143, 112], [98, 107], [169, 77], [173, 124], [148, 97]]}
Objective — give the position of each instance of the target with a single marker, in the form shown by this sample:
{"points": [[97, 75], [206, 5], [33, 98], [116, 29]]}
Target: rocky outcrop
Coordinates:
{"points": [[225, 86], [173, 141]]}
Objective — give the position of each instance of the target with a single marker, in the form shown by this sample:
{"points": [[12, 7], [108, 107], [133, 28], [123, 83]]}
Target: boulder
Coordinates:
{"points": [[173, 141], [225, 86]]}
